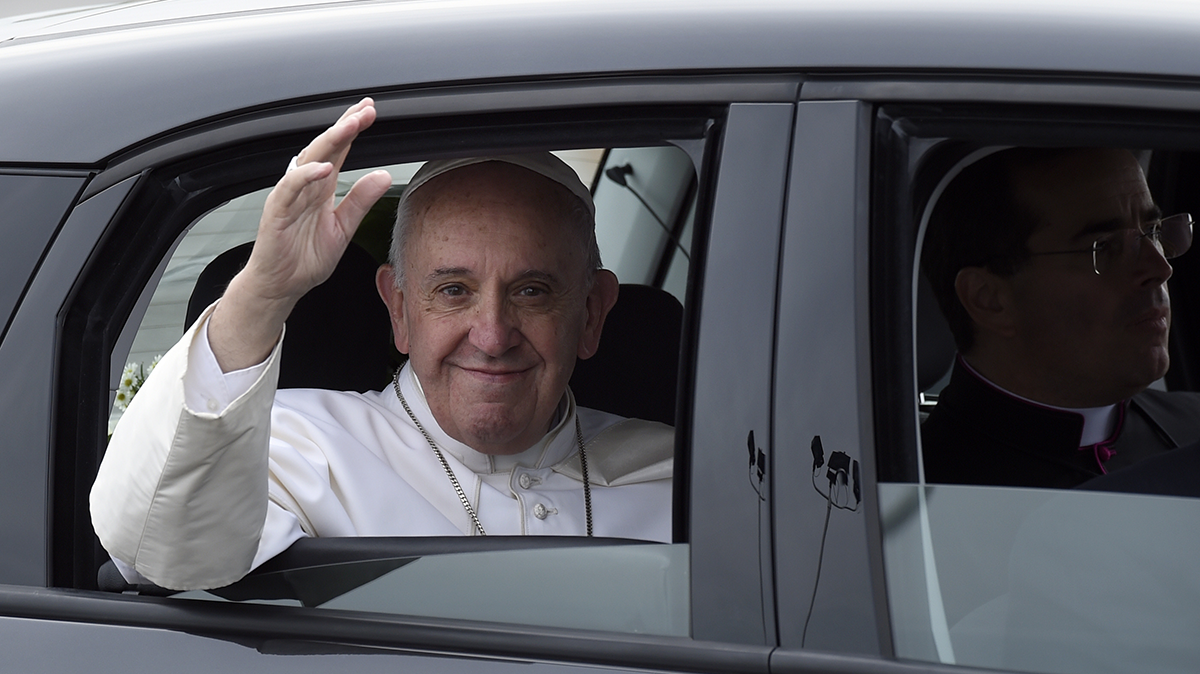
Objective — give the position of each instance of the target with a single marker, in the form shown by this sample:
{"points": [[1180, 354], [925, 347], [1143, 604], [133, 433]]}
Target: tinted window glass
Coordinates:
{"points": [[1033, 544], [640, 589], [1042, 580]]}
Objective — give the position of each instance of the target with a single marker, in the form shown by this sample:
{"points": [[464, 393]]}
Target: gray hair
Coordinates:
{"points": [[570, 209]]}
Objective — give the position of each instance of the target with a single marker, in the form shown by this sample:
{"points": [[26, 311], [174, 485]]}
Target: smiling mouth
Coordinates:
{"points": [[495, 376]]}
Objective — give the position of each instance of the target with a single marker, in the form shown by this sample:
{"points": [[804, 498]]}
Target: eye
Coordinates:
{"points": [[452, 290], [1154, 231], [531, 291], [1104, 243]]}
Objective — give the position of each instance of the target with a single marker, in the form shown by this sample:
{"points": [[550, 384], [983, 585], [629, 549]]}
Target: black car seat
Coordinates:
{"points": [[634, 372], [339, 334]]}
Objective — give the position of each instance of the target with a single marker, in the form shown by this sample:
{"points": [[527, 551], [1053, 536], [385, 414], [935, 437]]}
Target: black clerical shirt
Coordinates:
{"points": [[980, 435]]}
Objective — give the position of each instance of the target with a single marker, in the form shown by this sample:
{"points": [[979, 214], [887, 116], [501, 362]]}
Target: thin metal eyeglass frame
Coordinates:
{"points": [[1155, 226]]}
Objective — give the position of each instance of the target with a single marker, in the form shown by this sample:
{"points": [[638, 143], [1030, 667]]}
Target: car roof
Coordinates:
{"points": [[82, 87], [73, 16]]}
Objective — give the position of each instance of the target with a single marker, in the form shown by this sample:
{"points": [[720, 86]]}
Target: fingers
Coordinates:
{"points": [[334, 143], [361, 197], [290, 189], [357, 107]]}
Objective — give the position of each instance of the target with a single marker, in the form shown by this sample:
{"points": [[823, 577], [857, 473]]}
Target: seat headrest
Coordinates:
{"points": [[635, 371], [339, 334]]}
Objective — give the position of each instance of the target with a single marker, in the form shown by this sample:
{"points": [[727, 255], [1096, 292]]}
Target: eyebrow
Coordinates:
{"points": [[1150, 214], [538, 275], [445, 272], [451, 272]]}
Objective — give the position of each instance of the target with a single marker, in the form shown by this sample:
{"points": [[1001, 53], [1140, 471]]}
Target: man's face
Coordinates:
{"points": [[1091, 339], [495, 309]]}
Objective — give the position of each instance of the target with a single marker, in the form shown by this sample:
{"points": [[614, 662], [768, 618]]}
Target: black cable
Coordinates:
{"points": [[755, 486], [817, 583], [617, 175]]}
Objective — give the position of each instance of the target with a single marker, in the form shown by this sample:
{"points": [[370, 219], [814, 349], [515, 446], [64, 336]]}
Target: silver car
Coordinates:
{"points": [[762, 164]]}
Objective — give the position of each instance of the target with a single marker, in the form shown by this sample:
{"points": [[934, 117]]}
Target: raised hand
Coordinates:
{"points": [[301, 237]]}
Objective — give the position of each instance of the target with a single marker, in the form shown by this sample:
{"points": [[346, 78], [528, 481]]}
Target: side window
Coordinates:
{"points": [[646, 202], [1042, 521]]}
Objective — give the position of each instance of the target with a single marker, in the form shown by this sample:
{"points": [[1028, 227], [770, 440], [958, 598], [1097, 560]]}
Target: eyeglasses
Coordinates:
{"points": [[1171, 237]]}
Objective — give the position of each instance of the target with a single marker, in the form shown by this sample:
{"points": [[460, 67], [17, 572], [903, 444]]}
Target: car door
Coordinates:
{"points": [[956, 576], [72, 331]]}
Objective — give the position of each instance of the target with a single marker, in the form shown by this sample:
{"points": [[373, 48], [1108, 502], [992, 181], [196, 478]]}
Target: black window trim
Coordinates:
{"points": [[169, 198]]}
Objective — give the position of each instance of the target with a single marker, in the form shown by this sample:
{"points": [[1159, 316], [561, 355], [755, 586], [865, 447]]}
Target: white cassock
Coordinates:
{"points": [[196, 488]]}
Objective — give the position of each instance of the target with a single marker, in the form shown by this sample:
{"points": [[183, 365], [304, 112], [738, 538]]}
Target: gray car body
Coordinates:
{"points": [[97, 100]]}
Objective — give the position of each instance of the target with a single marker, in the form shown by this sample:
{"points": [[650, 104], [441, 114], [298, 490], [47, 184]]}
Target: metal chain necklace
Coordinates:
{"points": [[462, 496]]}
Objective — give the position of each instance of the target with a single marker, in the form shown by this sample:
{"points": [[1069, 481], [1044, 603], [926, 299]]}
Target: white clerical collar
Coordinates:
{"points": [[1098, 422], [553, 448]]}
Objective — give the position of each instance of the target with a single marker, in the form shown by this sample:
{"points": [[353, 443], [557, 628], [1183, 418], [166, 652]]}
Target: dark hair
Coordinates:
{"points": [[979, 222]]}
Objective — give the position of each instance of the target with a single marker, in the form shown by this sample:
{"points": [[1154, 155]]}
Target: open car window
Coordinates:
{"points": [[646, 198]]}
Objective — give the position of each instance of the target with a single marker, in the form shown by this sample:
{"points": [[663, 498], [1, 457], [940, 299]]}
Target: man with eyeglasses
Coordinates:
{"points": [[1050, 266]]}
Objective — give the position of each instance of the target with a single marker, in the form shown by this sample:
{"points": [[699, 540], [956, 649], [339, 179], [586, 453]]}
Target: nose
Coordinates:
{"points": [[1151, 267], [493, 328]]}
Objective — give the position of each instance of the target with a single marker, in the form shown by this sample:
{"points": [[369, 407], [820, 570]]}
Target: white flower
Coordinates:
{"points": [[129, 377], [132, 378], [123, 397]]}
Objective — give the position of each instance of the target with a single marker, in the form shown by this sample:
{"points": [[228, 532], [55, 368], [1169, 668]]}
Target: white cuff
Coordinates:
{"points": [[206, 389]]}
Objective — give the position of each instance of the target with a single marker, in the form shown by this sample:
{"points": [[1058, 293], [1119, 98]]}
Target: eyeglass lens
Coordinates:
{"points": [[1172, 237]]}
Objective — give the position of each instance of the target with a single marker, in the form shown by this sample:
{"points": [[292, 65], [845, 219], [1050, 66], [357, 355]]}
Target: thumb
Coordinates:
{"points": [[361, 197]]}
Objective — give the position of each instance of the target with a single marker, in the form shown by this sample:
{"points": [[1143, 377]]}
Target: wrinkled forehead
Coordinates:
{"points": [[499, 212], [488, 194]]}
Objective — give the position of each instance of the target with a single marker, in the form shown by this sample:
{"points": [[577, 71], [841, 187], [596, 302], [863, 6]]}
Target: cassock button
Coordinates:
{"points": [[540, 512], [212, 405], [525, 481]]}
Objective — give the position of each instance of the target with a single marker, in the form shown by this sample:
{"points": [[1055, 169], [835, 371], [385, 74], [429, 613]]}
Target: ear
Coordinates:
{"points": [[393, 297], [599, 302], [987, 299]]}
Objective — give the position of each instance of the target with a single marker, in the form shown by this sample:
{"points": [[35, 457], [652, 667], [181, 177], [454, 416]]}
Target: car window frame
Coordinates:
{"points": [[162, 205]]}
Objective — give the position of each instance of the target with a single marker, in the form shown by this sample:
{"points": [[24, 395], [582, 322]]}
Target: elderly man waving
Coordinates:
{"points": [[494, 289]]}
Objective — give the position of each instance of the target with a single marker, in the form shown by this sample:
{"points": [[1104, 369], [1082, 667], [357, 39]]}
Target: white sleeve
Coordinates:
{"points": [[205, 387], [181, 494], [281, 529]]}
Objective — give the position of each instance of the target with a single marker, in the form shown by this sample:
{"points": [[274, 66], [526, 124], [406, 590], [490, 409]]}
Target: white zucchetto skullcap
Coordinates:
{"points": [[542, 163]]}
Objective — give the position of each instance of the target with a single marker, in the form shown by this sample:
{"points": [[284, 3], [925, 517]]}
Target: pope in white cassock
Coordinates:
{"points": [[494, 290]]}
